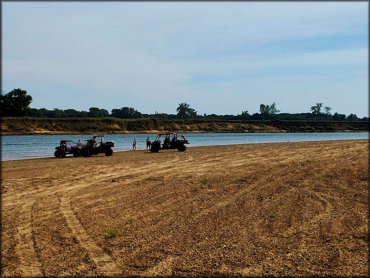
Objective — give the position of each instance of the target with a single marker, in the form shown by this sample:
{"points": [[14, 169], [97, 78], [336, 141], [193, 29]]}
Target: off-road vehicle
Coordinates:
{"points": [[170, 142], [66, 147], [92, 146]]}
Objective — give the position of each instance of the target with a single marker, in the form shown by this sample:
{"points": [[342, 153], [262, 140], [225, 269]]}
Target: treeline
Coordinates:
{"points": [[28, 125], [16, 104]]}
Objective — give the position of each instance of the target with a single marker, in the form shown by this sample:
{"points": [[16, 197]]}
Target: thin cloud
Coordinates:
{"points": [[136, 50]]}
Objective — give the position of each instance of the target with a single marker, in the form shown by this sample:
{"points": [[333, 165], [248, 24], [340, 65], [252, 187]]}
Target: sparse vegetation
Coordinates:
{"points": [[204, 181], [159, 202], [111, 233]]}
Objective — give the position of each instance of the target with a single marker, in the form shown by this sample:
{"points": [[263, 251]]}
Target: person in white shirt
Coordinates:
{"points": [[79, 143]]}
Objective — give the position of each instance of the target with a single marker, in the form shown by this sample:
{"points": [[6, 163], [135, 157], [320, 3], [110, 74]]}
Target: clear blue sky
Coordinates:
{"points": [[219, 57]]}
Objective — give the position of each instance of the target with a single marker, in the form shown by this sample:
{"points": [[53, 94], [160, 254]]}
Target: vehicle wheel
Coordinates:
{"points": [[76, 154], [155, 148], [63, 155], [109, 152], [57, 154], [181, 148], [87, 153]]}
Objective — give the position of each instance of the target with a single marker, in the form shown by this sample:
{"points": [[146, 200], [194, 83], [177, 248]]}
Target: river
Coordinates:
{"points": [[16, 147]]}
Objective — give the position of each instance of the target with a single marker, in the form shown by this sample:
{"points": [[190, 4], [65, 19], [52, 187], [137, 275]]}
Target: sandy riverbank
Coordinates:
{"points": [[260, 209], [49, 126]]}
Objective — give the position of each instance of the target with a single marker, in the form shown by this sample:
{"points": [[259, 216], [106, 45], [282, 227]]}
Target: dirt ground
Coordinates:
{"points": [[292, 209]]}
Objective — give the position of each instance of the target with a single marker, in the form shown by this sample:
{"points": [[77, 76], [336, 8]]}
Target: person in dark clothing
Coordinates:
{"points": [[166, 141], [134, 144], [148, 143]]}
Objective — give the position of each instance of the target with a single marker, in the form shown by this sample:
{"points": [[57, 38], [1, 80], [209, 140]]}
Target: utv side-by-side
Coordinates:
{"points": [[90, 147], [170, 142], [66, 147]]}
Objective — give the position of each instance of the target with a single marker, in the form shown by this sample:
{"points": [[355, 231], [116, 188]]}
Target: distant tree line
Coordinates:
{"points": [[16, 104]]}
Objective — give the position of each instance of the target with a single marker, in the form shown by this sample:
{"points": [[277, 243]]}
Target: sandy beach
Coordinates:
{"points": [[298, 208]]}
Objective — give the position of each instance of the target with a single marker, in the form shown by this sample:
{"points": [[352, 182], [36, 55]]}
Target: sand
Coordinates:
{"points": [[257, 209]]}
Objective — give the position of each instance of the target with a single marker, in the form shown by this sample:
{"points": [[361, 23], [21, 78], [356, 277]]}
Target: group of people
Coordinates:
{"points": [[66, 148], [148, 143]]}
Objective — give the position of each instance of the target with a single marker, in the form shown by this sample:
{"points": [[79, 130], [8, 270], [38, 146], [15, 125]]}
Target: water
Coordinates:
{"points": [[16, 147]]}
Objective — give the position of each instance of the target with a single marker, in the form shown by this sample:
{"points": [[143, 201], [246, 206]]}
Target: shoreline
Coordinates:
{"points": [[179, 132], [192, 147]]}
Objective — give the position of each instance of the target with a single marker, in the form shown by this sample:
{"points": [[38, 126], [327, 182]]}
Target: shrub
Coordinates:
{"points": [[111, 233], [204, 181], [309, 128], [272, 215]]}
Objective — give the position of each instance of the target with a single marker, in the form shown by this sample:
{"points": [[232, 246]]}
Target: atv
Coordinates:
{"points": [[92, 146], [66, 147], [170, 142]]}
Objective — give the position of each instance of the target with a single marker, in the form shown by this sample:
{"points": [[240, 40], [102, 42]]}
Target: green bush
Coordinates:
{"points": [[204, 181], [111, 233], [309, 128]]}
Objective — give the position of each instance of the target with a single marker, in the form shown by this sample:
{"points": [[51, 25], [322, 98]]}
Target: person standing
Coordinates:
{"points": [[148, 143], [134, 144]]}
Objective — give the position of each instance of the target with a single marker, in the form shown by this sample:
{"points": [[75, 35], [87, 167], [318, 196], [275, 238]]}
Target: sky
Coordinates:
{"points": [[219, 57]]}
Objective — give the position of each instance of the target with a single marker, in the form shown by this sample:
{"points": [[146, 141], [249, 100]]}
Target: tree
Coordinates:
{"points": [[268, 111], [57, 113], [33, 112], [15, 103], [184, 111], [126, 113], [273, 110], [264, 109], [316, 109], [95, 112], [71, 113], [244, 115], [352, 117], [327, 110], [339, 117]]}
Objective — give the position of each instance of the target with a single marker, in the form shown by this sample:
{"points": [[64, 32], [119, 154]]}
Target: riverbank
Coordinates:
{"points": [[292, 209], [31, 126]]}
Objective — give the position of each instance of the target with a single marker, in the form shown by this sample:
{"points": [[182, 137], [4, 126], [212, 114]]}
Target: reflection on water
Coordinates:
{"points": [[35, 146]]}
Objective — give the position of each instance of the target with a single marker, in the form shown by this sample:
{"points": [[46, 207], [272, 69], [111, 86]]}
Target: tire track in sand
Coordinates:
{"points": [[163, 268], [105, 263], [29, 264], [106, 266]]}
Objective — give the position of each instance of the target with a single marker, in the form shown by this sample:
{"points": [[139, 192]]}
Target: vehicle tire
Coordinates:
{"points": [[76, 154], [181, 148], [87, 153], [155, 147], [109, 152], [63, 155], [57, 154]]}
